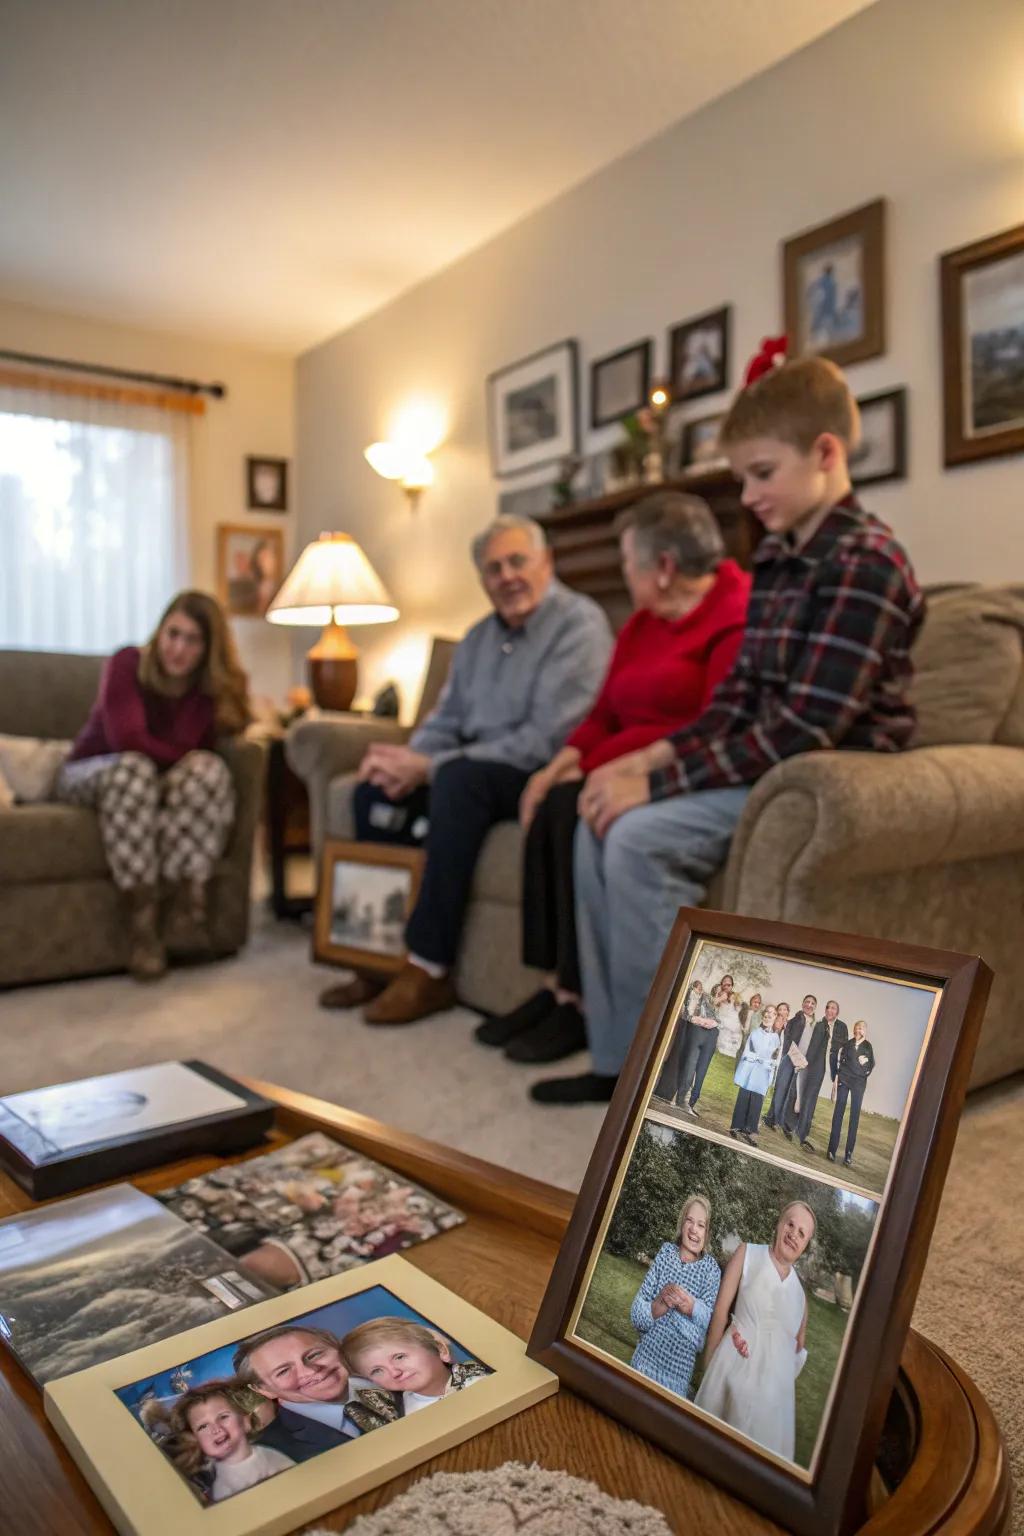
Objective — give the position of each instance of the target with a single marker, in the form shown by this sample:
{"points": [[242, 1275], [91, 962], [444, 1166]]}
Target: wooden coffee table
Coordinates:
{"points": [[942, 1448]]}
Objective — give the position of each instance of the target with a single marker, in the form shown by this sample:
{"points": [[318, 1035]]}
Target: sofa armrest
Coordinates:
{"points": [[331, 744], [859, 814]]}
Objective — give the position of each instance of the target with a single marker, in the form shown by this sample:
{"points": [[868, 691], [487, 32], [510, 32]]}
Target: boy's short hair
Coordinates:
{"points": [[795, 403], [381, 1329]]}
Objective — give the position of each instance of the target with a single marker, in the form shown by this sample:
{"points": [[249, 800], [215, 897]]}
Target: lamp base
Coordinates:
{"points": [[333, 669]]}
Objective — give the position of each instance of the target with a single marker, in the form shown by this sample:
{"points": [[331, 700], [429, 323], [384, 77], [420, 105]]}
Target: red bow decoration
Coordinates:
{"points": [[772, 355]]}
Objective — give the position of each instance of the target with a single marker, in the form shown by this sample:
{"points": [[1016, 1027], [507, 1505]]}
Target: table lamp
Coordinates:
{"points": [[332, 583]]}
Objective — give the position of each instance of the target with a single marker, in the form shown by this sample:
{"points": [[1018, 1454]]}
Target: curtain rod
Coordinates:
{"points": [[189, 386]]}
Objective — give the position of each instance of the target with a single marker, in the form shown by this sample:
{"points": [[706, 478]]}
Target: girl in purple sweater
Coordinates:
{"points": [[144, 760]]}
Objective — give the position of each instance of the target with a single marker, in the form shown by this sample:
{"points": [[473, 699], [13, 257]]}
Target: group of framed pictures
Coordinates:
{"points": [[834, 303], [250, 561], [741, 1296]]}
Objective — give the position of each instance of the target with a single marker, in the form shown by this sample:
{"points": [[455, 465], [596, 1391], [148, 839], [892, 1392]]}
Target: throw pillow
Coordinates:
{"points": [[967, 665], [30, 766]]}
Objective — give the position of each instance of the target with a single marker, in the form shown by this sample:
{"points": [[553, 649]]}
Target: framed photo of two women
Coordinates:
{"points": [[740, 1270]]}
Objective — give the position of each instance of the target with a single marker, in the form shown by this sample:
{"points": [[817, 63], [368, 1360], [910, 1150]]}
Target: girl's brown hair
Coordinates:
{"points": [[219, 675], [183, 1446]]}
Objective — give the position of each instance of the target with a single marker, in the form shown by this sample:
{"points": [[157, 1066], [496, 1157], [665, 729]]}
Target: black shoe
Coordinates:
{"points": [[831, 1156], [749, 1138], [734, 1133], [559, 1034], [788, 1134], [588, 1088], [500, 1028], [808, 1146]]}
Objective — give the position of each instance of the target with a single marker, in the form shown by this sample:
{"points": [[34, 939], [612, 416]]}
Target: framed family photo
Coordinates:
{"points": [[619, 384], [983, 347], [699, 355], [266, 485], [365, 895], [881, 453], [698, 443], [740, 1269], [255, 1424], [533, 410], [834, 287], [250, 568]]}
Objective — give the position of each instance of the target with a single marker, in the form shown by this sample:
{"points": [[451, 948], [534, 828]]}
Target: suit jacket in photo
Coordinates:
{"points": [[824, 1047], [302, 1438], [784, 1076]]}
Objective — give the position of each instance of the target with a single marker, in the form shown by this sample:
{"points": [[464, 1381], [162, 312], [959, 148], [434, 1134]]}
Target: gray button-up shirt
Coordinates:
{"points": [[513, 695]]}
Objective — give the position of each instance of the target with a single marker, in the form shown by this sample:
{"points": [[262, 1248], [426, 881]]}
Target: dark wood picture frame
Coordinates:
{"points": [[866, 224], [254, 467], [245, 594], [371, 855], [832, 1502], [960, 446], [641, 349], [687, 442], [896, 400], [562, 358], [62, 1172], [678, 336]]}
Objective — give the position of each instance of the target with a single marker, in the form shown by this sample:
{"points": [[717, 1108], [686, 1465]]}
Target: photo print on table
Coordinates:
{"points": [[311, 1209], [237, 1415]]}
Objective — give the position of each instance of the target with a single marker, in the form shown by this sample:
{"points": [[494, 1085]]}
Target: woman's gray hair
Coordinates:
{"points": [[677, 524], [503, 523]]}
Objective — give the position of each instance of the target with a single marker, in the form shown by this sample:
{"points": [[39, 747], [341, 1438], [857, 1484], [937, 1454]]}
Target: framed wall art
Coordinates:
{"points": [[881, 453], [250, 568], [205, 1432], [739, 1273], [698, 444], [833, 281], [619, 384], [533, 410], [365, 895], [266, 485], [983, 347], [699, 355]]}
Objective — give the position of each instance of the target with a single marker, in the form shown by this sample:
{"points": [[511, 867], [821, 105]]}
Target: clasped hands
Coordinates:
{"points": [[675, 1299], [395, 769], [620, 786]]}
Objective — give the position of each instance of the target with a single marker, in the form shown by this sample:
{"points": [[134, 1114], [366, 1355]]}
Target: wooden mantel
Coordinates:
{"points": [[586, 549]]}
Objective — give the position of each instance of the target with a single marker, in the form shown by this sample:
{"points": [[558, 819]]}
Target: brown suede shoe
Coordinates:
{"points": [[411, 996], [352, 994]]}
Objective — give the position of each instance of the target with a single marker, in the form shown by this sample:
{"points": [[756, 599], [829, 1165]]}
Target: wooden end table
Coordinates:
{"points": [[942, 1448]]}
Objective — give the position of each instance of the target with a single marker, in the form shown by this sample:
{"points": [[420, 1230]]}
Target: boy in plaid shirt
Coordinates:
{"points": [[824, 664]]}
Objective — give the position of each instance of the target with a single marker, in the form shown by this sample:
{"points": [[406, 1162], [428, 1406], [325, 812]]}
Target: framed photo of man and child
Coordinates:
{"points": [[313, 1402], [741, 1266]]}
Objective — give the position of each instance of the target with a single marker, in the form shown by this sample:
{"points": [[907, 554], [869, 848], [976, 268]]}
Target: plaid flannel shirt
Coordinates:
{"points": [[824, 663]]}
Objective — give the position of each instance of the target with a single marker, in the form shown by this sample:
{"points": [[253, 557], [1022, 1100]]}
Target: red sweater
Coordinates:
{"points": [[663, 672], [129, 718]]}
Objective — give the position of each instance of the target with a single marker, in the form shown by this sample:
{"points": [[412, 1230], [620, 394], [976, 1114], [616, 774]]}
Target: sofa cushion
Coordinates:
{"points": [[30, 766], [968, 665], [49, 842], [499, 870]]}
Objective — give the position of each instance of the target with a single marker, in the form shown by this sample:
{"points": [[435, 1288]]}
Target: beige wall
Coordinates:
{"points": [[256, 417], [921, 101]]}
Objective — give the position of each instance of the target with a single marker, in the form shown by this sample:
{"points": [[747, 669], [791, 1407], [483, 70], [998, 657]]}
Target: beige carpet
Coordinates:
{"points": [[258, 1014]]}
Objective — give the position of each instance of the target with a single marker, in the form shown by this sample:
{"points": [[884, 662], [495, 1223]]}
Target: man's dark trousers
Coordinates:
{"points": [[856, 1094], [467, 797]]}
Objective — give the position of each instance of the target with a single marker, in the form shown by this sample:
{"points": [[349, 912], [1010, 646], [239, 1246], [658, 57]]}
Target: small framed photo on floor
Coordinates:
{"points": [[364, 897], [739, 1273]]}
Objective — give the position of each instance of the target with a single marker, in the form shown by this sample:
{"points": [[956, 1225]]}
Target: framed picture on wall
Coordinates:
{"points": [[699, 355], [364, 898], [881, 453], [983, 347], [737, 1281], [533, 410], [250, 568], [699, 442], [619, 384], [266, 485], [833, 280]]}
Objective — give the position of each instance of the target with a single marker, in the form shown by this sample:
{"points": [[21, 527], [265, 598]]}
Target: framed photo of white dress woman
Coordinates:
{"points": [[740, 1269]]}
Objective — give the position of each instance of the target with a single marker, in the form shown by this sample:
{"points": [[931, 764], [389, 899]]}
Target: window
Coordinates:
{"points": [[93, 519]]}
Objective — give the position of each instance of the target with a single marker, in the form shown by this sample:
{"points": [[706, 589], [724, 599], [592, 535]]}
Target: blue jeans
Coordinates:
{"points": [[629, 887]]}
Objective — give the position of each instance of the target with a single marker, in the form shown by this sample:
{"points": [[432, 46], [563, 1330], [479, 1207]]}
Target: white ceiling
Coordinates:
{"points": [[268, 171]]}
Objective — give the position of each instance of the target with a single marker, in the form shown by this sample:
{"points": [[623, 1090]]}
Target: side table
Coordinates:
{"points": [[287, 824]]}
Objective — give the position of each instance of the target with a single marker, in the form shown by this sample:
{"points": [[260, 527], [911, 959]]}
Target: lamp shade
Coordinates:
{"points": [[332, 581]]}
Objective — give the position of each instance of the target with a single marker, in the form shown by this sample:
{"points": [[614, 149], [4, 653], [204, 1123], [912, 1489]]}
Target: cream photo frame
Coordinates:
{"points": [[144, 1495]]}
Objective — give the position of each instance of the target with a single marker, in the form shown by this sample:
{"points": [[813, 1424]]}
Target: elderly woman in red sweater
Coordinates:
{"points": [[144, 759], [670, 656]]}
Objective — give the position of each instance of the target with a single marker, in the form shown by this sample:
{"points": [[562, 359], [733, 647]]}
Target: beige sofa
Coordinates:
{"points": [[926, 846], [59, 914]]}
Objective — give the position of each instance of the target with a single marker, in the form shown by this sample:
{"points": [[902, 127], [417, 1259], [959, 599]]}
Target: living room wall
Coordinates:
{"points": [[256, 417], [919, 101]]}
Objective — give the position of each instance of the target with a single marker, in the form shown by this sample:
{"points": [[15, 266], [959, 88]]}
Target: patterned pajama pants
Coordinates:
{"points": [[154, 825]]}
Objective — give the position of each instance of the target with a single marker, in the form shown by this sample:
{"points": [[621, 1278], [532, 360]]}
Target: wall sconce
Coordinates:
{"points": [[413, 470]]}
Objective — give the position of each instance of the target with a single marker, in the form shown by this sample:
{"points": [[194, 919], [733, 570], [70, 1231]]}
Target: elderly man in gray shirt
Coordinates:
{"points": [[520, 681]]}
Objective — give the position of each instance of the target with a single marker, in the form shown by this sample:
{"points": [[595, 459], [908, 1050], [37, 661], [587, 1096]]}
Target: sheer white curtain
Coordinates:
{"points": [[93, 519]]}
